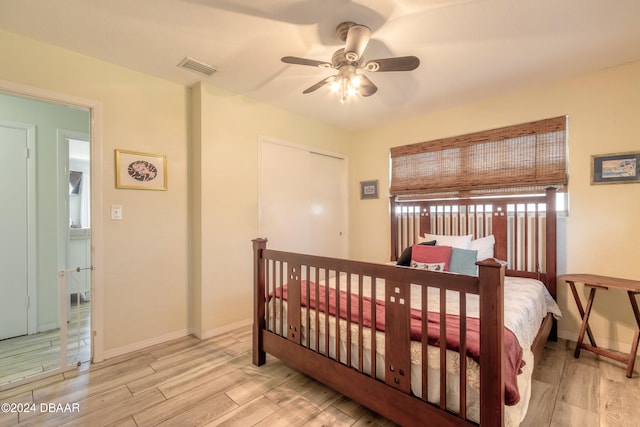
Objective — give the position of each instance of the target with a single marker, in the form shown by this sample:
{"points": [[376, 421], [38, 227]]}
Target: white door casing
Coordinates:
{"points": [[97, 277]]}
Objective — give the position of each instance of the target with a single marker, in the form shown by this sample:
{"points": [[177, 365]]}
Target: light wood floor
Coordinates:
{"points": [[29, 355], [188, 382]]}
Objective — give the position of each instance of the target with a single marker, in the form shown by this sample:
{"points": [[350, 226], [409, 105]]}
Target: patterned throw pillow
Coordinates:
{"points": [[438, 266], [431, 255]]}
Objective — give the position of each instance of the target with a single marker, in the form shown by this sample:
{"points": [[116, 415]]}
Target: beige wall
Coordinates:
{"points": [[229, 127], [144, 262], [602, 231]]}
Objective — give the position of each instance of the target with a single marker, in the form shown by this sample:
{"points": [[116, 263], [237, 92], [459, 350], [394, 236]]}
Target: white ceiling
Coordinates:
{"points": [[468, 49]]}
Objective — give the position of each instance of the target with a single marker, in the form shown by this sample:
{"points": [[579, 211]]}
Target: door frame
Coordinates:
{"points": [[32, 294], [97, 194]]}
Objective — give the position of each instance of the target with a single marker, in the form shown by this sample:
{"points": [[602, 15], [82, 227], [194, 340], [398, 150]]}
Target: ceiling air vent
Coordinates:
{"points": [[197, 66]]}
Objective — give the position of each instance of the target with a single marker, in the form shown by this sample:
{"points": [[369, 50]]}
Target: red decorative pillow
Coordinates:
{"points": [[431, 257]]}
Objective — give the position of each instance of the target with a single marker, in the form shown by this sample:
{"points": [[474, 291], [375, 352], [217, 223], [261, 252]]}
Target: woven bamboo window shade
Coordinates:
{"points": [[524, 158]]}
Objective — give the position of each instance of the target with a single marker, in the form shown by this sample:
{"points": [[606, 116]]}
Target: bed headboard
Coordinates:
{"points": [[524, 228]]}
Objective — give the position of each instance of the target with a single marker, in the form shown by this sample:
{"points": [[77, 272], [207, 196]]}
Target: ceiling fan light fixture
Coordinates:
{"points": [[346, 87], [347, 60], [347, 83]]}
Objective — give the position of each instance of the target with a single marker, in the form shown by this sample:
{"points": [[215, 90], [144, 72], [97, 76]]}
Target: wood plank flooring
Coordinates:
{"points": [[588, 391], [30, 355], [188, 382]]}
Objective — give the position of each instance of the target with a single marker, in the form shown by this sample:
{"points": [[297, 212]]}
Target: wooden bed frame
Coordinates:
{"points": [[525, 233]]}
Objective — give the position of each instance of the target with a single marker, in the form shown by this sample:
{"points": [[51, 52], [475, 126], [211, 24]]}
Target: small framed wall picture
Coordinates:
{"points": [[369, 189], [141, 171], [618, 168]]}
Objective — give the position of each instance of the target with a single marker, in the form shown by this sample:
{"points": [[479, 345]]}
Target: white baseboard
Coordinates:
{"points": [[118, 351], [177, 334], [203, 335], [47, 327]]}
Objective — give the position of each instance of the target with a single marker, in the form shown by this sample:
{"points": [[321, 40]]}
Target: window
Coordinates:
{"points": [[519, 159]]}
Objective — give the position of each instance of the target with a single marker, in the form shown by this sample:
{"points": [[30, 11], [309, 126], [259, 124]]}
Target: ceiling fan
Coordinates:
{"points": [[349, 60]]}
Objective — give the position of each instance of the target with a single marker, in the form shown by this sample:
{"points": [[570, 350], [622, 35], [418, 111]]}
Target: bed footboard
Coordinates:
{"points": [[354, 326]]}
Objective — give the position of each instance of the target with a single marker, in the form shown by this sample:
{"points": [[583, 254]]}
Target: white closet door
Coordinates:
{"points": [[283, 195], [328, 201], [302, 200]]}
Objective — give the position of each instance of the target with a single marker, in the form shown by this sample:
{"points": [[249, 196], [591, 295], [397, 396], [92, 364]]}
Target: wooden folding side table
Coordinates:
{"points": [[595, 282]]}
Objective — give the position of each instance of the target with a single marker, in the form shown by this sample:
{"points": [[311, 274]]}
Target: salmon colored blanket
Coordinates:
{"points": [[513, 351]]}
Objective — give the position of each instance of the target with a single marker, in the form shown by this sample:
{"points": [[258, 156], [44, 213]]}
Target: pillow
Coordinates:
{"points": [[405, 258], [431, 255], [463, 261], [437, 266], [462, 242], [484, 246]]}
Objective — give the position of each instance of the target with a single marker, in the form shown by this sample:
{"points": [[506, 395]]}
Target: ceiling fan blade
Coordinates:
{"points": [[400, 63], [357, 38], [319, 84], [304, 61], [366, 87]]}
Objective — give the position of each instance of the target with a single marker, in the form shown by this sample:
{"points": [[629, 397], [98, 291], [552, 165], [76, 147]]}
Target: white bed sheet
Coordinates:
{"points": [[527, 302]]}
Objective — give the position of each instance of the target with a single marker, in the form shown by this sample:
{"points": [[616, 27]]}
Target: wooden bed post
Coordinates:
{"points": [[551, 253], [499, 230], [259, 355], [491, 276], [394, 229], [551, 237]]}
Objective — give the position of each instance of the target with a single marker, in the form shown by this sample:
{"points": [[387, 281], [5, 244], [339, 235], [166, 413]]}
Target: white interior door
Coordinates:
{"points": [[327, 187], [302, 200], [283, 195], [13, 232]]}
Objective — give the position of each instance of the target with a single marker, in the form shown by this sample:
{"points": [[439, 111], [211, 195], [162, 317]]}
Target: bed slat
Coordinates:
{"points": [[293, 313], [463, 358], [425, 345], [443, 348], [397, 335]]}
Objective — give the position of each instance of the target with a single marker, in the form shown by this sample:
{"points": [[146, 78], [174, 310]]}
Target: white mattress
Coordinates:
{"points": [[527, 302]]}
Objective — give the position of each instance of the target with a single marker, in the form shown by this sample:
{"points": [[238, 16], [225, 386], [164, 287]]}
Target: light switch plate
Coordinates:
{"points": [[116, 212]]}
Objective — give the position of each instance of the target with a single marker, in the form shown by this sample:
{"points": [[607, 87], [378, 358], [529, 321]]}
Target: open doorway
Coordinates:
{"points": [[32, 140]]}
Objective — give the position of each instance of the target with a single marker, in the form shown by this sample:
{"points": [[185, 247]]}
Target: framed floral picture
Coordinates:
{"points": [[141, 171]]}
